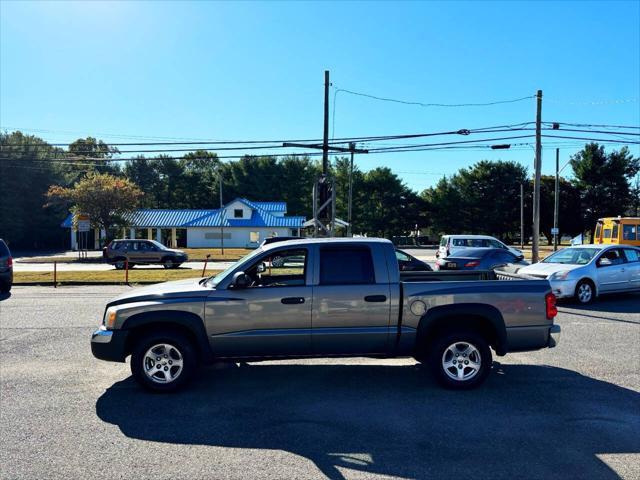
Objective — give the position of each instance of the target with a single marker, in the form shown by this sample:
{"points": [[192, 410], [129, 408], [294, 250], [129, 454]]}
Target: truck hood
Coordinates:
{"points": [[189, 288], [547, 269]]}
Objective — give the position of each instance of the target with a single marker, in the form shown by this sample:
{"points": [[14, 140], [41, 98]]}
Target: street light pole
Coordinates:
{"points": [[221, 213], [521, 216], [352, 147], [556, 202]]}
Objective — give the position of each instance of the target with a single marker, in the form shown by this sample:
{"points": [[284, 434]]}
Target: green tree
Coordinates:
{"points": [[568, 222], [480, 199], [26, 171], [604, 181], [107, 200], [143, 172], [386, 207]]}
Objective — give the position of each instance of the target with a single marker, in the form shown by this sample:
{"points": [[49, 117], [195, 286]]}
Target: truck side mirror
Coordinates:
{"points": [[241, 280]]}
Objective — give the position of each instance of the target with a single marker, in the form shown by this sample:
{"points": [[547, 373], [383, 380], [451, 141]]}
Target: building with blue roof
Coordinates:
{"points": [[241, 223]]}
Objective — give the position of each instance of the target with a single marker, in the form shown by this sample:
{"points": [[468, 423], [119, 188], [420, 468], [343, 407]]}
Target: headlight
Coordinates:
{"points": [[560, 275], [109, 319]]}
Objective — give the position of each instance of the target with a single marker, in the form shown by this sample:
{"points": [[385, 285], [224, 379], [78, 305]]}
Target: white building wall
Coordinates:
{"points": [[230, 210], [240, 236]]}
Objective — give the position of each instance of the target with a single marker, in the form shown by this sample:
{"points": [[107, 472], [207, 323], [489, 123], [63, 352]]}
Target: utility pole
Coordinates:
{"points": [[324, 192], [535, 244], [221, 214], [556, 202], [521, 216], [352, 147], [325, 136]]}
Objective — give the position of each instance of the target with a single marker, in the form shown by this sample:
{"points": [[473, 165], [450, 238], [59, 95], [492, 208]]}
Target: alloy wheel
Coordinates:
{"points": [[163, 363], [461, 361]]}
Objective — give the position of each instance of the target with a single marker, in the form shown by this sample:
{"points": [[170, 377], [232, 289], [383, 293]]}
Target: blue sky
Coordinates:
{"points": [[241, 71]]}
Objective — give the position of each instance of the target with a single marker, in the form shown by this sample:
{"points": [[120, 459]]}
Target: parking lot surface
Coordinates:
{"points": [[569, 412]]}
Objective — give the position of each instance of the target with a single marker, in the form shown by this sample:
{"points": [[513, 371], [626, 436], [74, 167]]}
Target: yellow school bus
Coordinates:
{"points": [[618, 230]]}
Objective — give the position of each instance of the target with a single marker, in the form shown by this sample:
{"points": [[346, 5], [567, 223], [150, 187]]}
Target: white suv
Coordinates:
{"points": [[450, 244]]}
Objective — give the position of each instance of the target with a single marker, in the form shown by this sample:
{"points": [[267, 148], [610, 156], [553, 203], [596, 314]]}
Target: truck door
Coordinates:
{"points": [[272, 317], [351, 302]]}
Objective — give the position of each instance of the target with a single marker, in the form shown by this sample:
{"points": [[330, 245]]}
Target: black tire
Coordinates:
{"points": [[176, 265], [168, 262], [119, 263], [442, 346], [585, 292], [5, 287], [179, 343]]}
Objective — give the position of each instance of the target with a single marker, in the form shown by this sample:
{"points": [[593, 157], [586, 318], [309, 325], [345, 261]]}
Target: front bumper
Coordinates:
{"points": [[109, 345], [563, 288], [554, 336]]}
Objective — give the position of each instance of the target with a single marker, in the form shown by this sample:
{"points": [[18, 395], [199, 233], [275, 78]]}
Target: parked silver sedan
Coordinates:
{"points": [[586, 271]]}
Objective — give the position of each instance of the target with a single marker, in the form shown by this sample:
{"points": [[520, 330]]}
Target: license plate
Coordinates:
{"points": [[452, 265]]}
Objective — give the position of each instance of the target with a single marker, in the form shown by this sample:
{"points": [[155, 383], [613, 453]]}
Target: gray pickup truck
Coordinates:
{"points": [[326, 298]]}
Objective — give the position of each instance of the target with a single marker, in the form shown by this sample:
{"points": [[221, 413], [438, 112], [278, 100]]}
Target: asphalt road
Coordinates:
{"points": [[570, 412]]}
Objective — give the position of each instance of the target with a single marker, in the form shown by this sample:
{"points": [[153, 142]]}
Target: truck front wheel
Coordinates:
{"points": [[163, 361], [461, 360]]}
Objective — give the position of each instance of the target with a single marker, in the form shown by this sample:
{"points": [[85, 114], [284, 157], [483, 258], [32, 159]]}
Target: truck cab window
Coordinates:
{"points": [[346, 266], [282, 268]]}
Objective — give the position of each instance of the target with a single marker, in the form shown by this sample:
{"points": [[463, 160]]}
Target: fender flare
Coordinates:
{"points": [[434, 316], [187, 320]]}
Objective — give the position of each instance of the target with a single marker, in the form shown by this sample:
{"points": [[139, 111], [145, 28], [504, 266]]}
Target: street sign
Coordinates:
{"points": [[555, 231], [84, 224]]}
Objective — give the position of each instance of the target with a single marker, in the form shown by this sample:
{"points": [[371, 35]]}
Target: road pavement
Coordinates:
{"points": [[569, 412]]}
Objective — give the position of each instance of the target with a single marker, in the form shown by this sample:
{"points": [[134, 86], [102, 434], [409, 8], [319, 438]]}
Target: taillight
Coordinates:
{"points": [[550, 304], [473, 263], [10, 262]]}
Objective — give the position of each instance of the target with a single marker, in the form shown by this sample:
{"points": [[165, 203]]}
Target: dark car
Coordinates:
{"points": [[269, 240], [482, 259], [146, 252], [6, 268], [408, 263]]}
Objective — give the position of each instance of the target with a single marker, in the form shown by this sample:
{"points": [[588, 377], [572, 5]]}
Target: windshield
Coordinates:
{"points": [[572, 256], [158, 244], [216, 279]]}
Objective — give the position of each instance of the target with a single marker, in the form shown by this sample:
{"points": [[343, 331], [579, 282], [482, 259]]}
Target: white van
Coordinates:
{"points": [[450, 244]]}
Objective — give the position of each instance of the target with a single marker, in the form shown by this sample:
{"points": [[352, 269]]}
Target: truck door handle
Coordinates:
{"points": [[375, 298], [292, 300]]}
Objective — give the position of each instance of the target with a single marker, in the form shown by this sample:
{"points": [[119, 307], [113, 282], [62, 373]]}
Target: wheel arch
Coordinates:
{"points": [[483, 318], [190, 324], [596, 290]]}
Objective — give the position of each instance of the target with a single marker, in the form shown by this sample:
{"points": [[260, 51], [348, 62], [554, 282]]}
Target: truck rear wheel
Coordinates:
{"points": [[461, 360], [163, 361]]}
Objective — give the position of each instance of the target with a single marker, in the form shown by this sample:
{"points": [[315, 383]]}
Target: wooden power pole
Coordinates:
{"points": [[535, 243], [324, 208], [556, 202]]}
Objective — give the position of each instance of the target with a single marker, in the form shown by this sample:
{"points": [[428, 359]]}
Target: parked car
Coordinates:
{"points": [[452, 244], [586, 271], [482, 259], [347, 298], [409, 263], [139, 252], [6, 268], [270, 240]]}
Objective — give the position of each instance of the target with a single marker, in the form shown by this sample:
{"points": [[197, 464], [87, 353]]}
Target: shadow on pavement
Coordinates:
{"points": [[5, 296], [525, 422], [608, 303]]}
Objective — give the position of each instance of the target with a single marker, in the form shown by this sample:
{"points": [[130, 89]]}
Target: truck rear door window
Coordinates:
{"points": [[346, 266]]}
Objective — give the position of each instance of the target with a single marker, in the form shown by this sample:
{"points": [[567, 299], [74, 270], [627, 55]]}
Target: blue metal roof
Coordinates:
{"points": [[260, 217]]}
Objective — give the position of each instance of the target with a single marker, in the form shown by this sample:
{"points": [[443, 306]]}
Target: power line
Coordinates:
{"points": [[592, 125], [423, 104]]}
